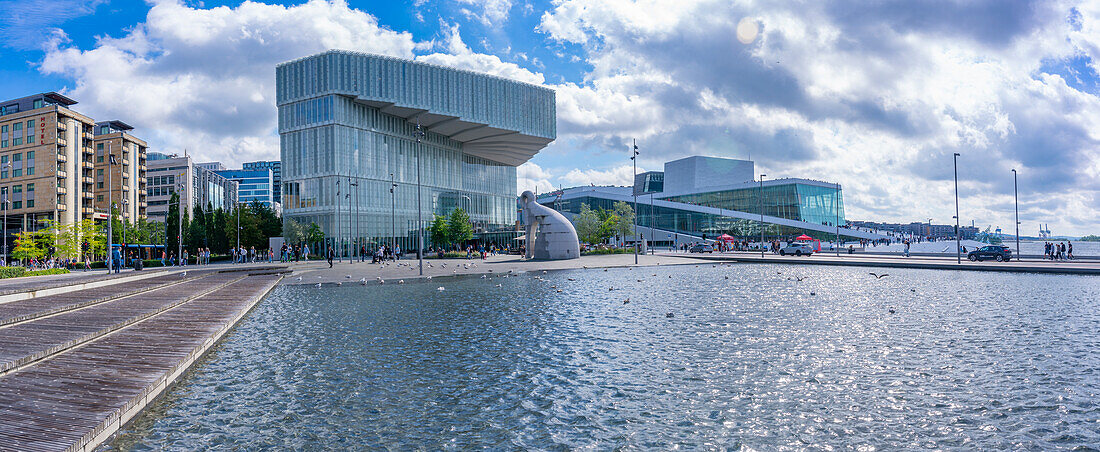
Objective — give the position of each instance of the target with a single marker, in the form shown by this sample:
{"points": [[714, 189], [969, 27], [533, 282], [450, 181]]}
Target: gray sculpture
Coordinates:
{"points": [[549, 234]]}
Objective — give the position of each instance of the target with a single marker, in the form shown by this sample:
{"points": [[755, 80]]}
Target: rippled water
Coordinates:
{"points": [[968, 360]]}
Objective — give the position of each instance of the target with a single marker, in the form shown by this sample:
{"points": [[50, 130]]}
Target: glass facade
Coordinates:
{"points": [[253, 185], [348, 120], [795, 201]]}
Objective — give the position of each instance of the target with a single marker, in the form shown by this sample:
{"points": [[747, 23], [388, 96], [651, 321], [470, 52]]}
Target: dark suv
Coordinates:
{"points": [[999, 253]]}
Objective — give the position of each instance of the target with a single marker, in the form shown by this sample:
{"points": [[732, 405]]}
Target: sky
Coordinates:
{"points": [[876, 96]]}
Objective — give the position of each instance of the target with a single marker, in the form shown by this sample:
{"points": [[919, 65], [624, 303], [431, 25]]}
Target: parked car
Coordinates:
{"points": [[999, 253], [701, 248], [797, 249]]}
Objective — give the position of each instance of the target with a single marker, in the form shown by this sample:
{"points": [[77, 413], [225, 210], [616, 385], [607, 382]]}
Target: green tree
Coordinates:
{"points": [[96, 237], [439, 234], [293, 231], [195, 235], [28, 245], [62, 238], [587, 224], [314, 234], [624, 227], [459, 228]]}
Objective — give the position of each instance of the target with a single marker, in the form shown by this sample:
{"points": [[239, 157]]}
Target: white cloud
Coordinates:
{"points": [[492, 12], [458, 55], [530, 176], [619, 175], [204, 79], [876, 98]]}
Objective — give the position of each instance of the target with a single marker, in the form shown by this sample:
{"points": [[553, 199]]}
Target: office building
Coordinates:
{"points": [[276, 168], [211, 166], [253, 185], [699, 198], [46, 162], [123, 183], [168, 174], [350, 120]]}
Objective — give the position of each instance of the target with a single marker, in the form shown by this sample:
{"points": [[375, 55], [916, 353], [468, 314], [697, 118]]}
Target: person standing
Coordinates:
{"points": [[328, 256], [116, 259], [1069, 250]]}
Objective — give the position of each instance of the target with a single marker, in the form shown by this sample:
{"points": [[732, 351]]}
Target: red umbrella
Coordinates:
{"points": [[803, 238], [726, 238]]}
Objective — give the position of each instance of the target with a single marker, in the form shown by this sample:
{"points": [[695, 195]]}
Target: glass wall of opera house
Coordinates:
{"points": [[701, 198], [350, 120]]}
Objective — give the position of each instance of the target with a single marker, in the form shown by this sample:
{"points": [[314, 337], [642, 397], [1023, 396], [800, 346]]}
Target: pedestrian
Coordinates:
{"points": [[1069, 250], [116, 260], [329, 256]]}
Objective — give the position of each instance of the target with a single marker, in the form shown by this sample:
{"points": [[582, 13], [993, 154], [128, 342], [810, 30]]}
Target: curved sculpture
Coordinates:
{"points": [[550, 236]]}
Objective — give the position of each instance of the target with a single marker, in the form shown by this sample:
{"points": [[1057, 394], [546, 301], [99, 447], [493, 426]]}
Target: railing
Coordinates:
{"points": [[62, 158], [61, 174]]}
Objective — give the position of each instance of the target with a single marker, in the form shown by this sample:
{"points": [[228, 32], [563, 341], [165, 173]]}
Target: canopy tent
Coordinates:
{"points": [[726, 238], [806, 238]]}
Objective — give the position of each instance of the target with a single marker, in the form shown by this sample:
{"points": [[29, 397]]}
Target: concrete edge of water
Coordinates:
{"points": [[967, 266]]}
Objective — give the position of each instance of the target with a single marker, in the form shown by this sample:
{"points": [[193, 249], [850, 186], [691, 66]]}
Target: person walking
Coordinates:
{"points": [[116, 259], [329, 256], [1069, 250]]}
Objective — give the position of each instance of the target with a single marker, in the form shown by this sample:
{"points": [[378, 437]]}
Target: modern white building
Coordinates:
{"points": [[167, 174]]}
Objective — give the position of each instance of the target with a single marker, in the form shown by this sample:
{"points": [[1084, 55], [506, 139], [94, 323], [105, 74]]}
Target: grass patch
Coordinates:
{"points": [[598, 252]]}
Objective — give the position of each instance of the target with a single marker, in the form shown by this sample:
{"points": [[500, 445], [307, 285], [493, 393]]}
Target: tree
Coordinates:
{"points": [[459, 228], [293, 231], [28, 245], [439, 234], [625, 225], [314, 234], [587, 224], [61, 237], [95, 235], [195, 235]]}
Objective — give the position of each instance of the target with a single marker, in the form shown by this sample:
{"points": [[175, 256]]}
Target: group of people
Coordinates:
{"points": [[1058, 251], [293, 253], [242, 255]]}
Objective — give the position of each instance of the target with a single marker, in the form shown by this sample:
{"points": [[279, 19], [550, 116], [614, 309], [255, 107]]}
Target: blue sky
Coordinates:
{"points": [[876, 97]]}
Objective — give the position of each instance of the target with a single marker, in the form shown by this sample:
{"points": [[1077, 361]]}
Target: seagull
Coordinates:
{"points": [[498, 285], [347, 276], [891, 310], [813, 293], [184, 273], [299, 278], [318, 285], [440, 289], [429, 277], [381, 281], [626, 301], [571, 279], [669, 315], [482, 276], [363, 282], [339, 283], [402, 281], [878, 275]]}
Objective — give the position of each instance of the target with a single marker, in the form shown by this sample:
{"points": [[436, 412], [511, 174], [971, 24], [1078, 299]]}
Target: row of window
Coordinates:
{"points": [[17, 189], [160, 191], [16, 136], [16, 160]]}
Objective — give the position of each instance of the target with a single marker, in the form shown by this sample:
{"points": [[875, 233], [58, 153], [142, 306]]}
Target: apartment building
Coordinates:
{"points": [[46, 162], [122, 183], [169, 174]]}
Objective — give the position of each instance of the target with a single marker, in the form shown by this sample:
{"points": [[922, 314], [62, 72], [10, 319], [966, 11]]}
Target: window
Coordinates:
{"points": [[38, 103], [30, 188], [30, 203], [104, 130], [99, 159], [30, 163], [99, 185], [99, 172], [30, 131], [99, 198], [16, 141], [17, 204], [17, 172], [17, 158], [99, 146], [17, 189]]}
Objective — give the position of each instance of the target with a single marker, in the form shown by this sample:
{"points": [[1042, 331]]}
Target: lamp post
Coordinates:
{"points": [[393, 213], [1015, 195], [634, 191], [762, 215], [356, 185], [110, 210], [836, 207], [652, 222], [419, 206], [958, 239], [237, 205], [336, 229], [7, 206]]}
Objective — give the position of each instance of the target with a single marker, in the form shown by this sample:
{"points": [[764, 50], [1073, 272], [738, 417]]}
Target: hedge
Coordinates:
{"points": [[16, 272]]}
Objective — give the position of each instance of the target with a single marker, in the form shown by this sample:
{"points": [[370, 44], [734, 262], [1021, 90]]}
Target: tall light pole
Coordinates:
{"points": [[634, 191], [1016, 196], [179, 239], [356, 185], [958, 233], [836, 207], [761, 191], [110, 209], [419, 206], [237, 205], [393, 213], [652, 222], [7, 206], [336, 220]]}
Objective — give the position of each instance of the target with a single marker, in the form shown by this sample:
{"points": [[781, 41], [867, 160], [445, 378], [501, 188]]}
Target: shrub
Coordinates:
{"points": [[11, 272], [49, 271], [608, 251]]}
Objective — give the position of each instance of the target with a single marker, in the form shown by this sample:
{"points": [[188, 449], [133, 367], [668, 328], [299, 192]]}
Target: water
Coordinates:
{"points": [[969, 360]]}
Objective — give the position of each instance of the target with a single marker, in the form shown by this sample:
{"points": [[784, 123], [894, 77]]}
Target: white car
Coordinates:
{"points": [[797, 249]]}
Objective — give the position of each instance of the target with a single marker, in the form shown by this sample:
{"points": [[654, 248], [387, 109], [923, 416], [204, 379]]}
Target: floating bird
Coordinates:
{"points": [[429, 277], [498, 285], [912, 290], [610, 288], [339, 283], [544, 272], [401, 281], [891, 310], [813, 293], [483, 276], [570, 279], [559, 290], [440, 288], [670, 276], [299, 278], [640, 280], [878, 276], [318, 285], [626, 301], [605, 269], [669, 315], [347, 276], [381, 281], [727, 277]]}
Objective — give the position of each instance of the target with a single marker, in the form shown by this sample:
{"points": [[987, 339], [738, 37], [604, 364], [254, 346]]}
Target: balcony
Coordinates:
{"points": [[61, 207], [61, 126], [87, 165], [61, 174], [87, 194], [62, 158], [87, 180], [87, 210], [61, 190], [62, 141]]}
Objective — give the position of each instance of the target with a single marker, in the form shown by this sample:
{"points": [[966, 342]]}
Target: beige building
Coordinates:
{"points": [[124, 182], [45, 162]]}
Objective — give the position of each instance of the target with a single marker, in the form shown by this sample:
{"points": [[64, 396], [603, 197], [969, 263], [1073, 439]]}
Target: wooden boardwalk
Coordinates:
{"points": [[74, 367]]}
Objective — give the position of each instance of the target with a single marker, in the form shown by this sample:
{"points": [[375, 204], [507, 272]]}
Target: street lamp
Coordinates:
{"points": [[1016, 196], [762, 215], [419, 206], [356, 185], [958, 240], [336, 228], [634, 191], [7, 206], [110, 209], [237, 205], [393, 213], [836, 208]]}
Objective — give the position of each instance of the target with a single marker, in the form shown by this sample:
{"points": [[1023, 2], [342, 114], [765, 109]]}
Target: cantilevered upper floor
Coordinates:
{"points": [[495, 118]]}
